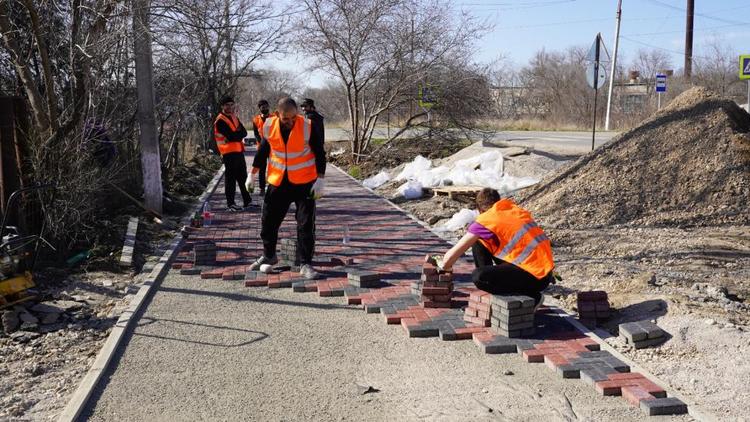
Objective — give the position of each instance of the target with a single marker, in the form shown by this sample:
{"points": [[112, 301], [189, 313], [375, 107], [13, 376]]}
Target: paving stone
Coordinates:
{"points": [[664, 406]]}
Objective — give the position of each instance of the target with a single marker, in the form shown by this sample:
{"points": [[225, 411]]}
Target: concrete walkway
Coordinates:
{"points": [[210, 348]]}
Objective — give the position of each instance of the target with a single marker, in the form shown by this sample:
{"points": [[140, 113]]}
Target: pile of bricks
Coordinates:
{"points": [[288, 252], [435, 287], [204, 253], [479, 309], [642, 334], [513, 316], [363, 279], [593, 305]]}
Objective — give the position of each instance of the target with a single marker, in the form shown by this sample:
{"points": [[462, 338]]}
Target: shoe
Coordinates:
{"points": [[307, 271], [234, 208], [539, 304], [249, 206], [255, 266]]}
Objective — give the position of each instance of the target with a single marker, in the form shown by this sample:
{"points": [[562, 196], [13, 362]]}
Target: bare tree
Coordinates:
{"points": [[716, 69], [650, 62], [382, 50]]}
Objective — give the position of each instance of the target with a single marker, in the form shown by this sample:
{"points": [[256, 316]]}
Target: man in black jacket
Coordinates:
{"points": [[308, 107], [229, 134]]}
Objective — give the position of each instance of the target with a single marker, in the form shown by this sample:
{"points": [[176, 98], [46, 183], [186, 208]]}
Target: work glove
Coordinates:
{"points": [[250, 183], [316, 192]]}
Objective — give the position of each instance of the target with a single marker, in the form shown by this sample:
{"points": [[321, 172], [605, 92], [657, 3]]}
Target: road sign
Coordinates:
{"points": [[661, 83], [597, 60], [745, 67], [427, 96]]}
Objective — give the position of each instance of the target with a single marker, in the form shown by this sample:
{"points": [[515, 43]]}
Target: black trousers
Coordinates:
{"points": [[498, 277], [261, 172], [275, 207], [235, 174]]}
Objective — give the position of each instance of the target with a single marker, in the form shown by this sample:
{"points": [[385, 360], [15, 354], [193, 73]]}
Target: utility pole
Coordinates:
{"points": [[614, 65], [150, 159], [689, 39]]}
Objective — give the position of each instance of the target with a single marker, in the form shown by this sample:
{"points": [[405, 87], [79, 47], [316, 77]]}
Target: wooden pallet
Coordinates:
{"points": [[453, 191]]}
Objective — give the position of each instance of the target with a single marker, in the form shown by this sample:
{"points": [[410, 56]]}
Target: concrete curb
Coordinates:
{"points": [[80, 397]]}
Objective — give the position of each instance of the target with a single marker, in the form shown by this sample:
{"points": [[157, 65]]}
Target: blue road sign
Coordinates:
{"points": [[745, 66], [661, 83]]}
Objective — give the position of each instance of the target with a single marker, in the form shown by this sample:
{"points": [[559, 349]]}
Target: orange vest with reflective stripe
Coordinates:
{"points": [[258, 121], [519, 240], [221, 140], [293, 157]]}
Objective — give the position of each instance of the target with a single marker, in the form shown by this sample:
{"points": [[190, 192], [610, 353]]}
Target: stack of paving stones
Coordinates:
{"points": [[204, 253], [362, 278], [642, 334], [479, 310], [593, 305], [435, 287], [288, 252], [513, 316]]}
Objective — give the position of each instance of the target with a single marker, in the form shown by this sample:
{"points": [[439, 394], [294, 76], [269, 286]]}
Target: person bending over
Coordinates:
{"points": [[512, 254]]}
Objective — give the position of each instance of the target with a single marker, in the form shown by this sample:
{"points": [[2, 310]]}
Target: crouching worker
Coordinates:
{"points": [[512, 254]]}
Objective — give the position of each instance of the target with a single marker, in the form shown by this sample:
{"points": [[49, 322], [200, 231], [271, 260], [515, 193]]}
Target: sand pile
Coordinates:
{"points": [[688, 164]]}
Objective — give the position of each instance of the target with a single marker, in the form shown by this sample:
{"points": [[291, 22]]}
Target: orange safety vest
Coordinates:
{"points": [[258, 121], [221, 140], [293, 157], [519, 240]]}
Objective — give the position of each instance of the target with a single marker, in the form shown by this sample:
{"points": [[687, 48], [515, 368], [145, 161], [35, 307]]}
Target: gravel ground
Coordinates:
{"points": [[217, 350]]}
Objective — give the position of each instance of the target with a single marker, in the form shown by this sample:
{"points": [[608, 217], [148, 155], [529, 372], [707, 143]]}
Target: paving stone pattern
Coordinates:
{"points": [[378, 269]]}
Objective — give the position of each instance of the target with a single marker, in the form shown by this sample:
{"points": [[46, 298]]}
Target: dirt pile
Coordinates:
{"points": [[687, 165]]}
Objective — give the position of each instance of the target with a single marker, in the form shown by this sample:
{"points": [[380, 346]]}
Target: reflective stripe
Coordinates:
{"points": [[304, 164], [529, 249], [288, 155], [516, 238], [267, 129], [306, 130], [275, 165]]}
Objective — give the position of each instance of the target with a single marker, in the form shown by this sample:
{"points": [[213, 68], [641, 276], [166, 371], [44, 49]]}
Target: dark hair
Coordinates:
{"points": [[226, 99], [308, 102], [262, 102], [486, 198], [287, 103]]}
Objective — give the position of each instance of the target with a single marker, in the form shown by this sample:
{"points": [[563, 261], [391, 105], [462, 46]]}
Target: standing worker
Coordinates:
{"points": [[229, 134], [512, 254], [258, 120], [293, 151], [308, 106]]}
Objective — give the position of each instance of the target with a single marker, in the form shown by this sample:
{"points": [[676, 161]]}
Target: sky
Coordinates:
{"points": [[523, 27]]}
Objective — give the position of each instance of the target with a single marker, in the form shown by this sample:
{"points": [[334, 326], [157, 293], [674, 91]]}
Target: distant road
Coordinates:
{"points": [[556, 142]]}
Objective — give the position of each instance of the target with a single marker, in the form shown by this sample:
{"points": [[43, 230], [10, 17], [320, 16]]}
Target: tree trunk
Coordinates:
{"points": [[150, 160]]}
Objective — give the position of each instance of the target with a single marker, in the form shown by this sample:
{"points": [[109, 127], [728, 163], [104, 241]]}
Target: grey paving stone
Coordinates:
{"points": [[664, 406], [648, 343]]}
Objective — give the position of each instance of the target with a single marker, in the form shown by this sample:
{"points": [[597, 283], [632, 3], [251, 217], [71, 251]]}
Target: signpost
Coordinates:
{"points": [[745, 74], [596, 74], [427, 100], [661, 86]]}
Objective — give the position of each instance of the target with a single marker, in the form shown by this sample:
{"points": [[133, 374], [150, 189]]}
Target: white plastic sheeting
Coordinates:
{"points": [[459, 220], [411, 190], [486, 170], [377, 181]]}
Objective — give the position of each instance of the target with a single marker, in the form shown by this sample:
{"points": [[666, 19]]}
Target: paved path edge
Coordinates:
{"points": [[81, 396]]}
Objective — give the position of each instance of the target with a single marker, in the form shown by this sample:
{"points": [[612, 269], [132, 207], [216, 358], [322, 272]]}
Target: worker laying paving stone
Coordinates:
{"points": [[218, 349]]}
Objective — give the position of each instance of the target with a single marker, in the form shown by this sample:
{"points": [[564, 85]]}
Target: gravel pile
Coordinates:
{"points": [[687, 165]]}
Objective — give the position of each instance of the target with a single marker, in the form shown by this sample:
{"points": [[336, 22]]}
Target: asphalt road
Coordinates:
{"points": [[556, 142]]}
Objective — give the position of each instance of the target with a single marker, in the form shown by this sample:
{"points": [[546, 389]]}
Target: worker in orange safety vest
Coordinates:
{"points": [[264, 111], [512, 254], [296, 161], [229, 134]]}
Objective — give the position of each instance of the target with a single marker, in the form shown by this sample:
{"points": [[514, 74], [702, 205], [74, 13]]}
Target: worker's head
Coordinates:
{"points": [[308, 105], [287, 109], [486, 198], [264, 107], [227, 104]]}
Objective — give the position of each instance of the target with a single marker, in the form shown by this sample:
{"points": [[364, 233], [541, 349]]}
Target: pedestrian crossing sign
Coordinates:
{"points": [[745, 66]]}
